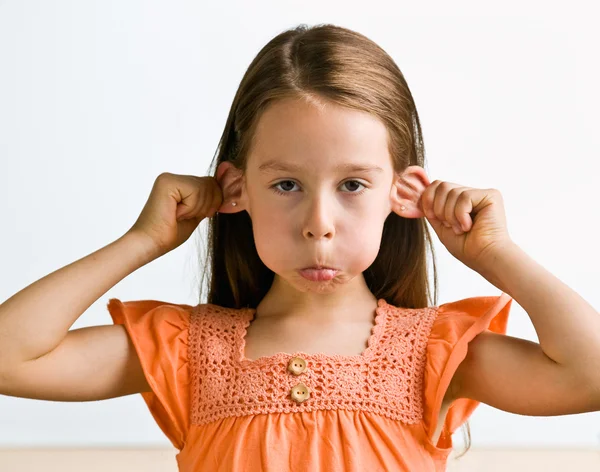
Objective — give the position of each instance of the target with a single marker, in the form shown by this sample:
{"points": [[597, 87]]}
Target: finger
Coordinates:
{"points": [[190, 206], [184, 208], [180, 189], [439, 204], [451, 210], [463, 209], [428, 198], [207, 203], [195, 196]]}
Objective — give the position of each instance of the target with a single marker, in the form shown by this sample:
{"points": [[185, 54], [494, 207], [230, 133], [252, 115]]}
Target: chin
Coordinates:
{"points": [[323, 286]]}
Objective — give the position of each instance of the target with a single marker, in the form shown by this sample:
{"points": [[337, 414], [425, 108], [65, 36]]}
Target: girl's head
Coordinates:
{"points": [[313, 102]]}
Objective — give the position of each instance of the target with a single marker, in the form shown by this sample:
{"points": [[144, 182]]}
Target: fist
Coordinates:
{"points": [[175, 207], [470, 222]]}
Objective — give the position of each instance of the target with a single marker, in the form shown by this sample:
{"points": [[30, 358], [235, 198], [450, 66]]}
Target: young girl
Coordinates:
{"points": [[317, 348]]}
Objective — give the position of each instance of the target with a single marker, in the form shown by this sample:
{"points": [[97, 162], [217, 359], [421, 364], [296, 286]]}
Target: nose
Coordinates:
{"points": [[319, 222]]}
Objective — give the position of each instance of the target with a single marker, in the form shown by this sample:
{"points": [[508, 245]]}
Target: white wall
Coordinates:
{"points": [[98, 98]]}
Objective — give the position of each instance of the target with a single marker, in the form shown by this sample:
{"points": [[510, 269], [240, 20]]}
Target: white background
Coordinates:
{"points": [[98, 98]]}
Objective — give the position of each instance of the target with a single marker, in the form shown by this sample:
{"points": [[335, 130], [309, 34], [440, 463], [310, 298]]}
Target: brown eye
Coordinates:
{"points": [[287, 191], [353, 182]]}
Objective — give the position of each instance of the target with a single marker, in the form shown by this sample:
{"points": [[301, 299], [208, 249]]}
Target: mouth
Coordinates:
{"points": [[318, 267], [318, 273]]}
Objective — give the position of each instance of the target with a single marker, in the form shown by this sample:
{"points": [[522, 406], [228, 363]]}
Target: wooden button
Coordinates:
{"points": [[300, 393], [297, 365]]}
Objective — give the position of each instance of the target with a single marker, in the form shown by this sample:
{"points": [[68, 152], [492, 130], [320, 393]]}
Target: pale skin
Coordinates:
{"points": [[318, 222]]}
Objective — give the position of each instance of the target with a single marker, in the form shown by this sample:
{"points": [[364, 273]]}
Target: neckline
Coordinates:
{"points": [[379, 319]]}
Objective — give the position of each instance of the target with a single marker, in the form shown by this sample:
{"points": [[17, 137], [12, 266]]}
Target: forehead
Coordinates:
{"points": [[293, 133]]}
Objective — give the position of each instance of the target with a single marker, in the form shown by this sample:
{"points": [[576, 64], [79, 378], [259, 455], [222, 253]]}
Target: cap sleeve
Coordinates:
{"points": [[159, 332], [455, 325]]}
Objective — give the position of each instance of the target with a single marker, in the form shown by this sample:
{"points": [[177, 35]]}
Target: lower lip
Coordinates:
{"points": [[318, 275]]}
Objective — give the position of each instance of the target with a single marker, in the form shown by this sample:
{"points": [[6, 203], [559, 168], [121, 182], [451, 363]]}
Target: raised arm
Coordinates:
{"points": [[41, 358], [36, 319]]}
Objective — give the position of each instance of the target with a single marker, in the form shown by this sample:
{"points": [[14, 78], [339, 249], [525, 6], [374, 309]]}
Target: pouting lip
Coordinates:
{"points": [[319, 267]]}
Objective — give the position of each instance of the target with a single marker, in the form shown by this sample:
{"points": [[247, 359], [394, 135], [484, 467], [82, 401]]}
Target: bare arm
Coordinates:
{"points": [[40, 357], [35, 320]]}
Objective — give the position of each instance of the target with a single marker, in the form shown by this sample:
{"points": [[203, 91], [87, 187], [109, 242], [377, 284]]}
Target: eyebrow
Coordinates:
{"points": [[274, 166]]}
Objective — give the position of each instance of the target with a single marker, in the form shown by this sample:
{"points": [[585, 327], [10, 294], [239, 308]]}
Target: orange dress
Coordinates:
{"points": [[376, 411]]}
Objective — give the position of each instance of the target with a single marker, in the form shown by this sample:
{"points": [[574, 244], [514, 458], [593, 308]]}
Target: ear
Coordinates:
{"points": [[406, 191], [232, 182]]}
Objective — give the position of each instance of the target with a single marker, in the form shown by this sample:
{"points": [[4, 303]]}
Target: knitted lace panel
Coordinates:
{"points": [[387, 378]]}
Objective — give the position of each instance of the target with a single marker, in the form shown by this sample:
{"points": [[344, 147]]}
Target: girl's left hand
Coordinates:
{"points": [[470, 222]]}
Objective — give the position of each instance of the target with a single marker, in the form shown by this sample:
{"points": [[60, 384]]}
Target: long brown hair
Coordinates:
{"points": [[337, 65]]}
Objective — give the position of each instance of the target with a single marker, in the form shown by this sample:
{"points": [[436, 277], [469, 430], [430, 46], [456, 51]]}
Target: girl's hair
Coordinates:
{"points": [[322, 64]]}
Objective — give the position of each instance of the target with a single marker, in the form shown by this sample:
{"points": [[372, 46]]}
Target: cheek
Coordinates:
{"points": [[368, 238], [272, 238]]}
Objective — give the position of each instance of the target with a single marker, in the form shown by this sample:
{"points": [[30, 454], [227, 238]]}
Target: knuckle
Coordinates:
{"points": [[163, 176], [463, 197], [454, 191]]}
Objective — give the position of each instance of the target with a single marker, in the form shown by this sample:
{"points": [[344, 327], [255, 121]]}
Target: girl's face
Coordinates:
{"points": [[317, 188]]}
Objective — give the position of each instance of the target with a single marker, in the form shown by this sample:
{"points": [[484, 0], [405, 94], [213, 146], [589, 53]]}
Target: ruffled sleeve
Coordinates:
{"points": [[159, 332], [456, 324]]}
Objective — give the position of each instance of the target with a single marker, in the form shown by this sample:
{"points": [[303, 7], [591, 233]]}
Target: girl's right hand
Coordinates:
{"points": [[175, 207]]}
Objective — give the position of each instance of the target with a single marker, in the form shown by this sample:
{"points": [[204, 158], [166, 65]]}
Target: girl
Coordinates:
{"points": [[317, 348]]}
